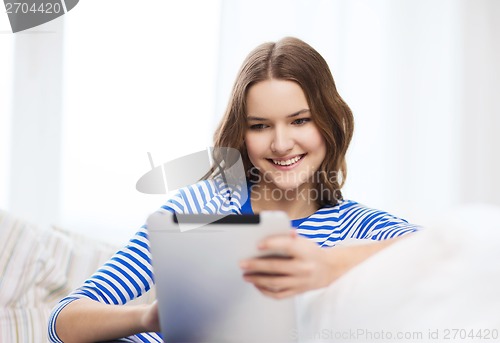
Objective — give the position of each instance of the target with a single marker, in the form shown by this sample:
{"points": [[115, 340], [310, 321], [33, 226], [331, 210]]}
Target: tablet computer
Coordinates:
{"points": [[201, 293]]}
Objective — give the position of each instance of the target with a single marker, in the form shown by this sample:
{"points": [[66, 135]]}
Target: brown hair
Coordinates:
{"points": [[294, 60]]}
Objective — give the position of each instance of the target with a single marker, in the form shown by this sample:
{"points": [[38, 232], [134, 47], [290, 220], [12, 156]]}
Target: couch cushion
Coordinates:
{"points": [[37, 268]]}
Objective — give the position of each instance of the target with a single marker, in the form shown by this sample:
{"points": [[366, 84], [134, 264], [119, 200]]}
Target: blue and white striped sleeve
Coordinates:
{"points": [[351, 220], [377, 225], [125, 276]]}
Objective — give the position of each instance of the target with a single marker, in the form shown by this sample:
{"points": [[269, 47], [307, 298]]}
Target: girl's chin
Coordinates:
{"points": [[284, 186]]}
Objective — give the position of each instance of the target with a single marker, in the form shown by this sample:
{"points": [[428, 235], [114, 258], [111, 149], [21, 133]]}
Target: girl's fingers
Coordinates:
{"points": [[277, 293], [269, 265], [284, 244]]}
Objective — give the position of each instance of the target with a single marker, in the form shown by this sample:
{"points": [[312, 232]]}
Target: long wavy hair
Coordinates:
{"points": [[294, 60]]}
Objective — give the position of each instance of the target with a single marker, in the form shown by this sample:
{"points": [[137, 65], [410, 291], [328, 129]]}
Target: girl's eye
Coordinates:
{"points": [[301, 121], [258, 126]]}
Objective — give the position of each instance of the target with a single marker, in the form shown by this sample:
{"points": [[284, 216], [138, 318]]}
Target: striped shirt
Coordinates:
{"points": [[129, 274]]}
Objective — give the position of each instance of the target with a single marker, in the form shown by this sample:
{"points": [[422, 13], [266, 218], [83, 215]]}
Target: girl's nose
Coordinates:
{"points": [[282, 142]]}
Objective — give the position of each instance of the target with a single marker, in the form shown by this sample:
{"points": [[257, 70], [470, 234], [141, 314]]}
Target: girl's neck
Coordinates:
{"points": [[297, 203]]}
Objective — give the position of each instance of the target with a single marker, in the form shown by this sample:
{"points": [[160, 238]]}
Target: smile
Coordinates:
{"points": [[288, 162]]}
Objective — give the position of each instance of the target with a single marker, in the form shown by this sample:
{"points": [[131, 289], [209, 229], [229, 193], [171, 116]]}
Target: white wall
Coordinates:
{"points": [[135, 82], [479, 167], [6, 65], [399, 75]]}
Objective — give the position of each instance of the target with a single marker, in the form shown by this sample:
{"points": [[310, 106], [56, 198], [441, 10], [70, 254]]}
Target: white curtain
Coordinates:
{"points": [[421, 77]]}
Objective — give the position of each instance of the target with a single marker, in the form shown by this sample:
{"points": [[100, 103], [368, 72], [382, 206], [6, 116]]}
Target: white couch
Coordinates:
{"points": [[439, 285], [38, 267]]}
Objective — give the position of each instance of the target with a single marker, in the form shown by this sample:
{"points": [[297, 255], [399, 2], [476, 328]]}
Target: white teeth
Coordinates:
{"points": [[287, 162]]}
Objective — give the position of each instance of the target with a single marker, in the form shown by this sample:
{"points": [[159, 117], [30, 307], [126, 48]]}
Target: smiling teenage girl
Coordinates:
{"points": [[293, 129]]}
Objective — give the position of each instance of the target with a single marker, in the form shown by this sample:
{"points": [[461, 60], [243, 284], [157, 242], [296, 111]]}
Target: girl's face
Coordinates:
{"points": [[282, 140]]}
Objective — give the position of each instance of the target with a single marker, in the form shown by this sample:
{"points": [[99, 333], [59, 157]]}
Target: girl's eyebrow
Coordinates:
{"points": [[295, 114]]}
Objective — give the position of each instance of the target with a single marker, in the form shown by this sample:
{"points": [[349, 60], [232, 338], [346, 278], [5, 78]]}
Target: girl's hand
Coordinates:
{"points": [[150, 319], [306, 267]]}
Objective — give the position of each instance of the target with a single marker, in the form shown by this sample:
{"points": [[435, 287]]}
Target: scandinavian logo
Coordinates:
{"points": [[25, 14], [223, 163]]}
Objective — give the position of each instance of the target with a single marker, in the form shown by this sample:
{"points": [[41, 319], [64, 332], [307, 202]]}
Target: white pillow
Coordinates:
{"points": [[438, 285], [37, 268]]}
